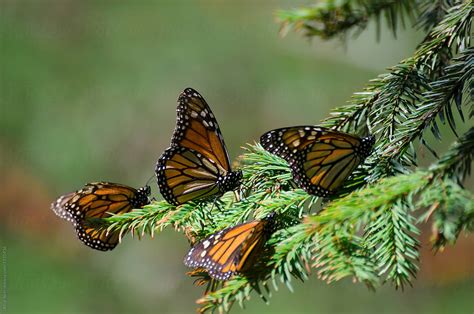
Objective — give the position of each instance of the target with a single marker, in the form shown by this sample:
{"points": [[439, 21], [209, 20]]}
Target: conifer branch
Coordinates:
{"points": [[432, 12], [436, 104], [331, 18], [400, 105], [456, 162], [454, 29], [450, 209], [391, 238]]}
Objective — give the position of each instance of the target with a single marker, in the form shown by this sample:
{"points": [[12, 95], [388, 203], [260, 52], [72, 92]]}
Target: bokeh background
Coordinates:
{"points": [[88, 92]]}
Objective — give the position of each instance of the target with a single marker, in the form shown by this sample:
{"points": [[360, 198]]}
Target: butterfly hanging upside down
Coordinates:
{"points": [[99, 200], [231, 250], [321, 159], [196, 166]]}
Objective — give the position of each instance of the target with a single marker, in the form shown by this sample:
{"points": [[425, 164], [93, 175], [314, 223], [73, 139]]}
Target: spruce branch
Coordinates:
{"points": [[340, 253], [436, 104], [401, 105], [350, 117], [456, 162], [392, 98], [451, 210], [384, 210], [359, 207], [293, 249], [160, 215], [331, 18], [432, 12], [449, 206], [391, 238]]}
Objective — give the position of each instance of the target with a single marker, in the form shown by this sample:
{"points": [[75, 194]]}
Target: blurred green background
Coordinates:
{"points": [[88, 92]]}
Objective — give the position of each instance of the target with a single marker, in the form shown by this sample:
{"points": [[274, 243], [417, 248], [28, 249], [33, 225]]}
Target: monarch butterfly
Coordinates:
{"points": [[196, 165], [99, 200], [321, 159], [231, 250]]}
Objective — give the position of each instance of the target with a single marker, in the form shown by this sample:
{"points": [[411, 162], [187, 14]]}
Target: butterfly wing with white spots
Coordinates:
{"points": [[321, 159], [99, 200], [231, 250], [196, 166], [61, 207]]}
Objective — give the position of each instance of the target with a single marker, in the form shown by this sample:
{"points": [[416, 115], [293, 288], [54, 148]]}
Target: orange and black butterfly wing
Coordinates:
{"points": [[197, 129], [230, 250], [184, 175], [99, 200], [252, 248], [219, 253], [102, 199], [60, 206], [197, 161], [320, 159], [96, 238], [329, 162]]}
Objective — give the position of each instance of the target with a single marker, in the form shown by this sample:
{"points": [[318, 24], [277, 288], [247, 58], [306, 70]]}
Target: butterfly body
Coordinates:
{"points": [[231, 250], [99, 200], [321, 159], [196, 166], [230, 181]]}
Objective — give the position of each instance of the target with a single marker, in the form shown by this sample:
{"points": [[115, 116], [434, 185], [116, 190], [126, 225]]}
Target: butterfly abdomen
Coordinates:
{"points": [[366, 145]]}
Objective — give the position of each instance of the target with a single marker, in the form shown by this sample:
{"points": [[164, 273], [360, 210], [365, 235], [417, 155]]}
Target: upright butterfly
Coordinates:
{"points": [[196, 165], [231, 250], [99, 200], [321, 159]]}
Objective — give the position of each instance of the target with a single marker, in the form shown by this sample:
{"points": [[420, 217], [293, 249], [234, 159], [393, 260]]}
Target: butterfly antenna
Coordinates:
{"points": [[149, 180]]}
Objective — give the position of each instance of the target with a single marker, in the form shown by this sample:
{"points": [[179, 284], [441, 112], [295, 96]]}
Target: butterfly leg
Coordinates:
{"points": [[211, 286], [207, 217], [201, 223], [215, 203]]}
